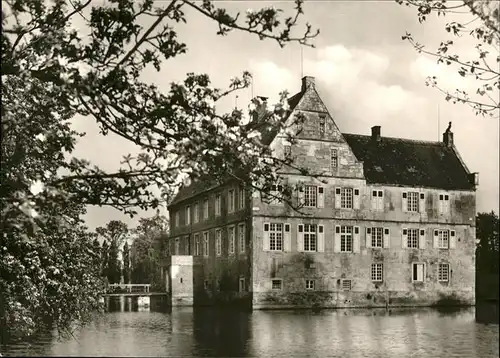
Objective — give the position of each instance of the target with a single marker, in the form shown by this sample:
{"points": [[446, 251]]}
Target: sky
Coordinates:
{"points": [[365, 73]]}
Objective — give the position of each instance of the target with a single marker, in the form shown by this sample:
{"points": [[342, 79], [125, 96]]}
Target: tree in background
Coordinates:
{"points": [[115, 233], [104, 258], [484, 29], [52, 72], [487, 249], [126, 263], [114, 264], [147, 249]]}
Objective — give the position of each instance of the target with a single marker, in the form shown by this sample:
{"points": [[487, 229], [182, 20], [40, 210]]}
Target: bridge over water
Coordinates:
{"points": [[131, 290]]}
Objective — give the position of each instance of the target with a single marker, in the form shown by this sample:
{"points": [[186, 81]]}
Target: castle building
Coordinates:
{"points": [[390, 222]]}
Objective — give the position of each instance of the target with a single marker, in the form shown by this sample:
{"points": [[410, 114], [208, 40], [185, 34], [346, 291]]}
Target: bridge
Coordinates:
{"points": [[131, 290]]}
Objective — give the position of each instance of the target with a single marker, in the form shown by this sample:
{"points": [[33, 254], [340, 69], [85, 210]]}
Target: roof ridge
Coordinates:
{"points": [[397, 138]]}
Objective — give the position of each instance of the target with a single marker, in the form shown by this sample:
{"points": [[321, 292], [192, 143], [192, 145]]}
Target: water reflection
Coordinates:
{"points": [[159, 331]]}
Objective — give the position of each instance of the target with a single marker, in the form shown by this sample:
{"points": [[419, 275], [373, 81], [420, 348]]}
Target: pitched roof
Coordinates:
{"points": [[409, 162], [207, 182]]}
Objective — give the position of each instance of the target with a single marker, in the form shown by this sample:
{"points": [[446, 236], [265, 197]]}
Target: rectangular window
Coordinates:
{"points": [[444, 239], [276, 237], [197, 244], [412, 238], [205, 284], [276, 284], [377, 237], [177, 246], [241, 234], [188, 215], [377, 200], [309, 284], [276, 195], [218, 242], [310, 196], [287, 150], [241, 198], [310, 237], [206, 243], [322, 125], [205, 209], [443, 272], [346, 198], [231, 239], [218, 205], [346, 239], [177, 219], [346, 285], [418, 272], [196, 210], [412, 201], [444, 203], [242, 284], [334, 159], [377, 272], [230, 200]]}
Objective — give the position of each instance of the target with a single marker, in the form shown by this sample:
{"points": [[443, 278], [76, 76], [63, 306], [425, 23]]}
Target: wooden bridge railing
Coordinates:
{"points": [[129, 287]]}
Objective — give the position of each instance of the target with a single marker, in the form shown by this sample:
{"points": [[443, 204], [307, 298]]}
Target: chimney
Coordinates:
{"points": [[474, 178], [376, 133], [261, 107], [448, 136], [307, 81]]}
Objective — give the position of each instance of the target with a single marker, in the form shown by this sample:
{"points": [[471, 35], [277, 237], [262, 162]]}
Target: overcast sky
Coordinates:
{"points": [[365, 74]]}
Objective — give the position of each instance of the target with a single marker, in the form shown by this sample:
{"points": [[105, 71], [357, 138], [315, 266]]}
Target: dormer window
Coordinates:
{"points": [[334, 159]]}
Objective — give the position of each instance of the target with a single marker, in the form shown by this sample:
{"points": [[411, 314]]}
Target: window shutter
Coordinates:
{"points": [[368, 243], [355, 241], [421, 237], [301, 194], [287, 238], [300, 237], [265, 242], [337, 198], [421, 202], [321, 197], [404, 239], [374, 200], [453, 239], [356, 199], [436, 239], [321, 238], [387, 237], [440, 203], [336, 239], [380, 199], [405, 201]]}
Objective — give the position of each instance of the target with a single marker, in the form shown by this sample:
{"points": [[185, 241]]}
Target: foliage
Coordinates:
{"points": [[104, 259], [52, 72], [126, 263], [487, 249], [147, 249], [114, 269], [484, 29]]}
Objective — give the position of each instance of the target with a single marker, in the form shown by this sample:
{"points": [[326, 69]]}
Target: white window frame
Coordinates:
{"points": [[231, 195], [177, 219], [276, 236], [205, 209], [231, 238], [218, 204], [322, 125], [196, 216], [188, 215], [287, 150], [443, 276], [334, 159], [374, 233], [276, 190], [206, 244], [346, 284], [310, 237], [242, 285], [377, 272], [241, 238], [276, 280], [218, 242], [310, 285], [346, 198], [346, 236], [443, 236], [444, 203], [310, 196], [412, 239], [377, 200], [197, 244], [417, 280], [241, 198]]}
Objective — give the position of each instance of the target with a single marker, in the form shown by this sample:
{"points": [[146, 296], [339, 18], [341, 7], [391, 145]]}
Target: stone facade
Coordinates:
{"points": [[362, 231]]}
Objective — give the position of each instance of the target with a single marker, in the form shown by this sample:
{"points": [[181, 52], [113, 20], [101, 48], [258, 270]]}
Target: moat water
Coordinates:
{"points": [[126, 330]]}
